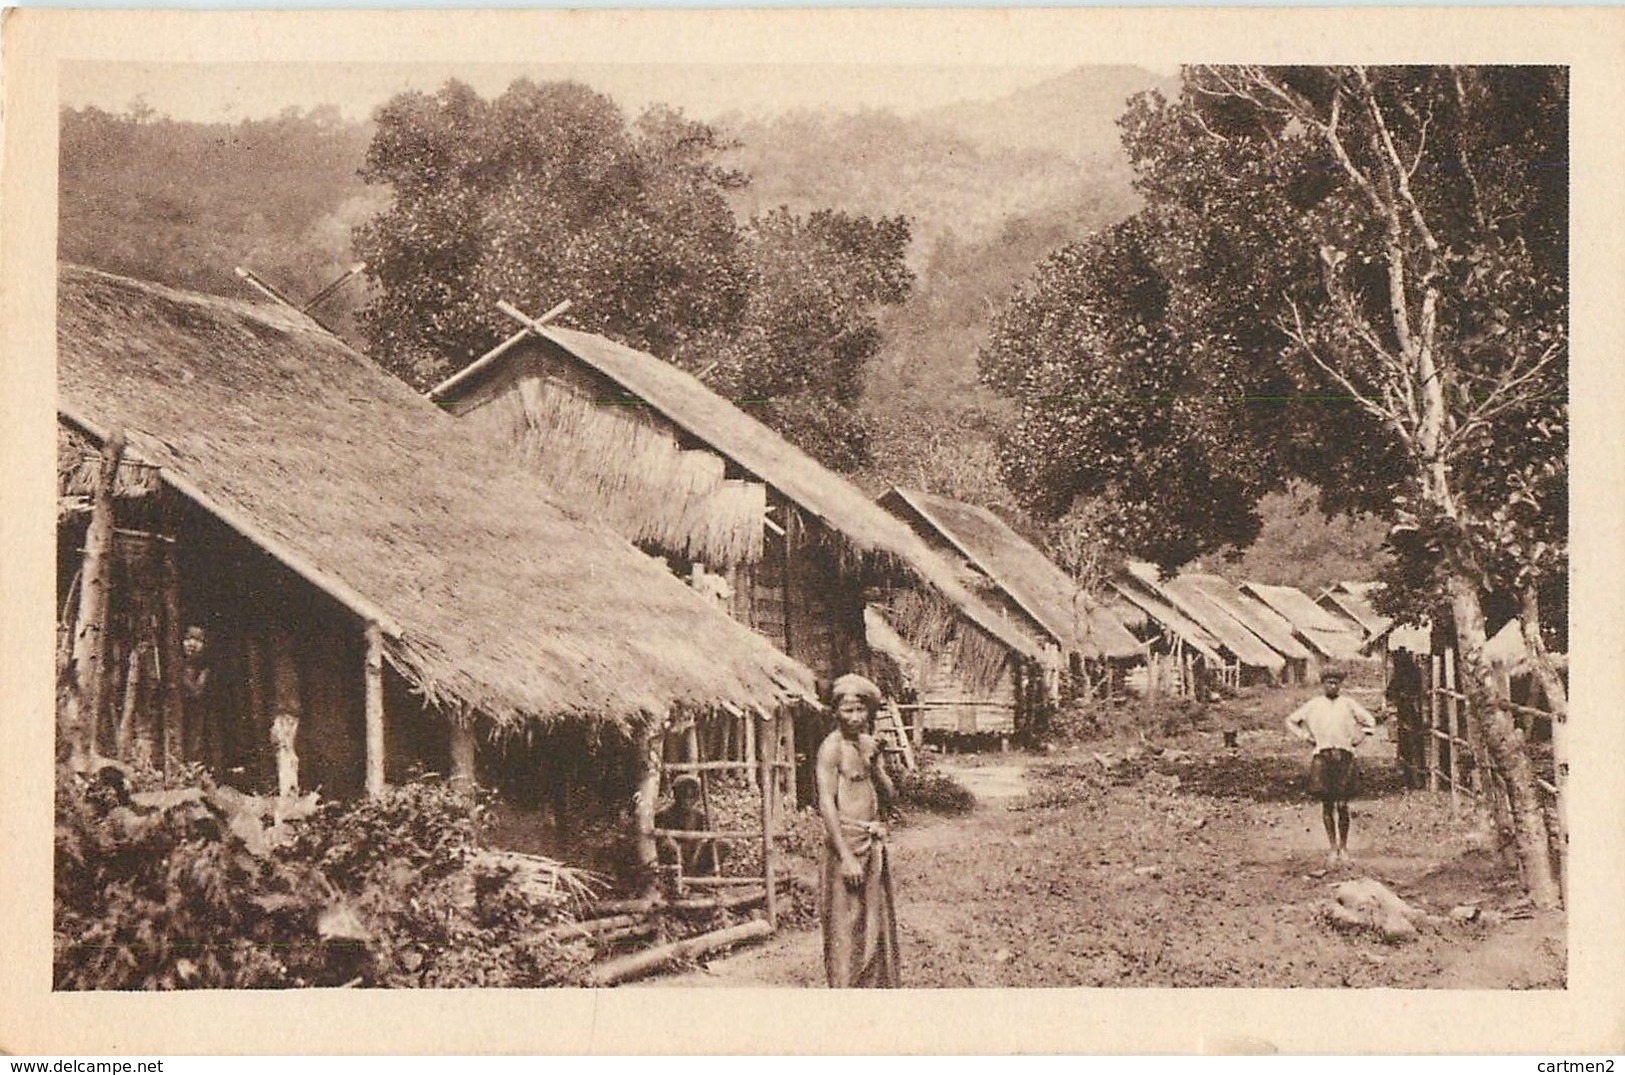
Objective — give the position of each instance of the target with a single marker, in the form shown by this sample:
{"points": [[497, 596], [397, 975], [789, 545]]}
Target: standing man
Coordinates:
{"points": [[1335, 725], [860, 921], [1404, 694]]}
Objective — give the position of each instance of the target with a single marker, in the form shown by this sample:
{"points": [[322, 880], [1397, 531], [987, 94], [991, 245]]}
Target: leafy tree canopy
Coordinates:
{"points": [[548, 193], [1351, 276], [543, 194]]}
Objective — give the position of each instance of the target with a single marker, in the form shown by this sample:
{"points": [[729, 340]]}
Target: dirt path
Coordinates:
{"points": [[1202, 867]]}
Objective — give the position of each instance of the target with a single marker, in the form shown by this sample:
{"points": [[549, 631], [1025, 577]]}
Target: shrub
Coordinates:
{"points": [[205, 887], [935, 791]]}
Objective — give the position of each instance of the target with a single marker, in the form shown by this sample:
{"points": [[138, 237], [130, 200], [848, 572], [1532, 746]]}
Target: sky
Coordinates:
{"points": [[238, 90]]}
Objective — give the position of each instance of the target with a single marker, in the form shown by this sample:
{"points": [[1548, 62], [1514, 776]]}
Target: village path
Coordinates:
{"points": [[1203, 867]]}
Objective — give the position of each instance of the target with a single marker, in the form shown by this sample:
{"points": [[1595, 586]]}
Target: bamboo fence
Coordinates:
{"points": [[1458, 760]]}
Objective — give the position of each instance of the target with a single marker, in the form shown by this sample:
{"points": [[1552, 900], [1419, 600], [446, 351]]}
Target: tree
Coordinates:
{"points": [[548, 193], [1355, 276], [809, 328], [544, 194]]}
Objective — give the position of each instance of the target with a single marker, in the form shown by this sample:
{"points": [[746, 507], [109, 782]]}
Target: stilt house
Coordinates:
{"points": [[377, 596], [1015, 578], [1244, 658], [787, 546], [1351, 601], [1181, 654], [1316, 628], [1275, 632]]}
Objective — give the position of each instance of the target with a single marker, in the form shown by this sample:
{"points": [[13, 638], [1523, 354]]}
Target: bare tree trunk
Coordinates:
{"points": [[1506, 746], [1557, 698], [1557, 695], [90, 674]]}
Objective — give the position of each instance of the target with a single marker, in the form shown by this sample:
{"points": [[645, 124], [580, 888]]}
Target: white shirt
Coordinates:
{"points": [[1339, 722]]}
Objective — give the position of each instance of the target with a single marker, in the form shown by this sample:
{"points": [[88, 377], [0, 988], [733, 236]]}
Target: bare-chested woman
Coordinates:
{"points": [[860, 922]]}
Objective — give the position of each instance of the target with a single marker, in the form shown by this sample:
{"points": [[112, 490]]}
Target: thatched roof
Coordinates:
{"points": [[1313, 624], [1154, 604], [1231, 633], [1260, 619], [1050, 597], [707, 418], [1353, 600], [489, 595]]}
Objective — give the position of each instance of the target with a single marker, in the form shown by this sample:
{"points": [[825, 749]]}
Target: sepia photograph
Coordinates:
{"points": [[861, 522]]}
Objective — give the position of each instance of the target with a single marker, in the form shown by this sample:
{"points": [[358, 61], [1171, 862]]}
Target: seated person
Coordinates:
{"points": [[697, 857]]}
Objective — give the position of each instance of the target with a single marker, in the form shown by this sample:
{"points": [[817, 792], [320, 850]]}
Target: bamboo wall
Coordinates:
{"points": [[274, 644]]}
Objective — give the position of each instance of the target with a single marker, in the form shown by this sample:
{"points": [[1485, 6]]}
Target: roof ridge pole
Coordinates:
{"points": [[249, 277], [532, 327]]}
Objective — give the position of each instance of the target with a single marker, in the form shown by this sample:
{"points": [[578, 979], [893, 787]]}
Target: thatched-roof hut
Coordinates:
{"points": [[1271, 629], [1014, 577], [1318, 629], [1020, 579], [1243, 651], [358, 562], [683, 471], [1351, 601], [1181, 652]]}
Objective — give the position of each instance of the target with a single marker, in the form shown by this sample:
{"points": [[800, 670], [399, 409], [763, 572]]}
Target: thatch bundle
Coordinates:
{"points": [[78, 461], [622, 468], [928, 622]]}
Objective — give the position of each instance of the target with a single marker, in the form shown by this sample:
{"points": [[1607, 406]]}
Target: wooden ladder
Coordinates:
{"points": [[892, 734]]}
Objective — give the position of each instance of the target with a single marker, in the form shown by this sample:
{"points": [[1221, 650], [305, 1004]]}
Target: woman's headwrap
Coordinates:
{"points": [[853, 685]]}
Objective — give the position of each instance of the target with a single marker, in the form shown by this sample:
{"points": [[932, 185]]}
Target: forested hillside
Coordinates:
{"points": [[186, 203], [989, 188]]}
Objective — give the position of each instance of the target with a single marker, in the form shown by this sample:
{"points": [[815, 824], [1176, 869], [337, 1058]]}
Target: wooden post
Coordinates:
{"points": [[374, 671], [649, 751], [259, 714], [170, 662], [464, 748], [1482, 780], [1435, 678], [767, 785], [1451, 709], [790, 531], [286, 711], [748, 722], [1560, 779], [90, 642], [691, 752], [787, 737], [125, 733]]}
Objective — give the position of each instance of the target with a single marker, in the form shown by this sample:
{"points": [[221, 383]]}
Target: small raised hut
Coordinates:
{"points": [[1351, 601], [1326, 635], [1243, 657], [1015, 578], [376, 594], [788, 547], [1181, 654], [1275, 632]]}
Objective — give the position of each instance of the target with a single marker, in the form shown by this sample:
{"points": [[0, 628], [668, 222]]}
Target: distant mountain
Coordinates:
{"points": [[963, 169], [991, 187], [1073, 115]]}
